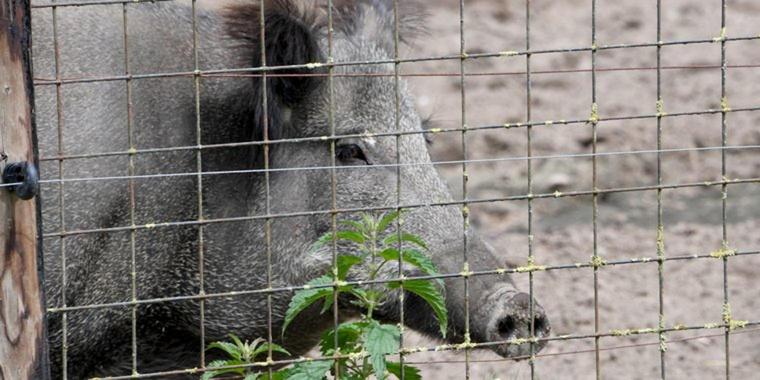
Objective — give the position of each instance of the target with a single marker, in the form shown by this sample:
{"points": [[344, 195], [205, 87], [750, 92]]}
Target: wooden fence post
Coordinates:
{"points": [[23, 338]]}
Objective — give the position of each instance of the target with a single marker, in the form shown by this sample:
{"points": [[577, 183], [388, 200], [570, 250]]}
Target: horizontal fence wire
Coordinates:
{"points": [[531, 268], [751, 328], [475, 273], [317, 65], [41, 81], [738, 148], [61, 4], [432, 131], [556, 194]]}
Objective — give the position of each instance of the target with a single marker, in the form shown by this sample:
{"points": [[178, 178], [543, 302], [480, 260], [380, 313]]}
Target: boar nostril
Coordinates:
{"points": [[540, 326], [506, 326]]}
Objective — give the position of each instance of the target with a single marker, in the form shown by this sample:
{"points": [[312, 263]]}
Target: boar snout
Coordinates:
{"points": [[507, 315]]}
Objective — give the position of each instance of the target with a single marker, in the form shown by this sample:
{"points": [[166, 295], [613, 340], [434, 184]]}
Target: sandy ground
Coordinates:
{"points": [[627, 224]]}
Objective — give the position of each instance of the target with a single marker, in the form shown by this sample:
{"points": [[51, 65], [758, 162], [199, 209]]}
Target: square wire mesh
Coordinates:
{"points": [[725, 324]]}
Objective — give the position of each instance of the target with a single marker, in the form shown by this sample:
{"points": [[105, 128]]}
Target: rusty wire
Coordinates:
{"points": [[500, 360], [528, 158], [529, 170], [80, 3], [131, 190], [467, 56], [660, 222], [555, 194], [752, 328], [575, 352], [546, 123], [70, 80], [724, 188], [465, 177], [61, 208], [593, 123], [491, 272], [397, 122]]}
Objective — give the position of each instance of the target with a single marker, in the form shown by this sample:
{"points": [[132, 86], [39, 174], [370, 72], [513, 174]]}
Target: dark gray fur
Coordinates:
{"points": [[94, 119]]}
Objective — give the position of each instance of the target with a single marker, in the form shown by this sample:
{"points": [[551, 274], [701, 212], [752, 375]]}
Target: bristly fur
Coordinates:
{"points": [[292, 32], [351, 17], [247, 251]]}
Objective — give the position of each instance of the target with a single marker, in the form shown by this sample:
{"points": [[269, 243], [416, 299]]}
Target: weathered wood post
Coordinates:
{"points": [[23, 341]]}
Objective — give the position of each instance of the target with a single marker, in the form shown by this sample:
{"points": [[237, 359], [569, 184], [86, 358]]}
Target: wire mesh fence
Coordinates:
{"points": [[148, 178]]}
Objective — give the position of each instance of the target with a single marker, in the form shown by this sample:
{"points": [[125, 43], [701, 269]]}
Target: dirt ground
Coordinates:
{"points": [[627, 222]]}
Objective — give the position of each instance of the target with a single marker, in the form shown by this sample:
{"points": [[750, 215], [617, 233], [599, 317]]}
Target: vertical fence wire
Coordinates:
{"points": [[594, 120], [267, 190], [465, 208], [529, 163], [333, 178], [660, 223], [199, 189], [61, 198], [397, 121], [726, 312], [131, 184]]}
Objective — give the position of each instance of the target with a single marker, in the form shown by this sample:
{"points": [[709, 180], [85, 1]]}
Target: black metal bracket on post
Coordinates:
{"points": [[23, 178]]}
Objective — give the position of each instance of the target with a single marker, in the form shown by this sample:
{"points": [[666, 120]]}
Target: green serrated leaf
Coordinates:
{"points": [[393, 239], [217, 363], [386, 220], [381, 340], [313, 370], [305, 298], [223, 363], [209, 374], [348, 338], [430, 293], [237, 341], [232, 350], [420, 260], [249, 349], [326, 238], [282, 374], [344, 264], [357, 226], [353, 236], [265, 348], [360, 294], [390, 254], [410, 373], [327, 305], [341, 289], [415, 258]]}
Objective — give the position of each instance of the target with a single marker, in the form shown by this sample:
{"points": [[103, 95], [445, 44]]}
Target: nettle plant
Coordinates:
{"points": [[240, 355], [363, 345]]}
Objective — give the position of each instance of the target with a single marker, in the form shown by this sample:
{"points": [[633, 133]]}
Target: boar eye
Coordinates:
{"points": [[351, 154]]}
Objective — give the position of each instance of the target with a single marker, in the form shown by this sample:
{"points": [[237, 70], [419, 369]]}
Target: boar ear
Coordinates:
{"points": [[290, 39]]}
